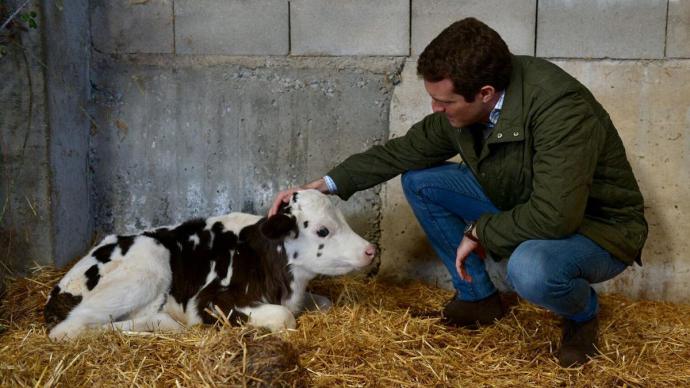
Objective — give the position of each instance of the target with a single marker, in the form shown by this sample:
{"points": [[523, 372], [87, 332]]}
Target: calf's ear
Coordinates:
{"points": [[284, 208], [279, 226]]}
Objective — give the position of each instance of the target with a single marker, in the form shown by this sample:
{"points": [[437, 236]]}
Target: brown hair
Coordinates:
{"points": [[471, 54]]}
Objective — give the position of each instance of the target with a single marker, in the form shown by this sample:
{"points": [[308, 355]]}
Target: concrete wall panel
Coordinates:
{"points": [[232, 27], [350, 27], [165, 151], [678, 34], [67, 60], [25, 221], [515, 23], [650, 104], [405, 251], [126, 26], [601, 28]]}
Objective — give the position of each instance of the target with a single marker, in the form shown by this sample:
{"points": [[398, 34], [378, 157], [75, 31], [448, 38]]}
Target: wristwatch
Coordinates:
{"points": [[468, 231]]}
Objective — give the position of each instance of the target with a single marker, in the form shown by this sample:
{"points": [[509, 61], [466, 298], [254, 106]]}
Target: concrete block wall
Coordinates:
{"points": [[236, 27], [354, 27], [678, 37], [195, 107], [602, 29], [620, 29], [515, 22], [123, 26]]}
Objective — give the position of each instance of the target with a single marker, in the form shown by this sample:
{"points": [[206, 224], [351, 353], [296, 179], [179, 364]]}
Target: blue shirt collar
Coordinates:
{"points": [[496, 111]]}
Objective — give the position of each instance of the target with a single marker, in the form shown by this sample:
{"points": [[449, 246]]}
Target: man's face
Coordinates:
{"points": [[459, 112]]}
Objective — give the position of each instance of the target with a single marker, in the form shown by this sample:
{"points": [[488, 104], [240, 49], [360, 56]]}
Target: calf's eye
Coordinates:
{"points": [[323, 232]]}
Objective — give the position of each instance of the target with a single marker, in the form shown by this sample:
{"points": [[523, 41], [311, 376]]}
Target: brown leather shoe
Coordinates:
{"points": [[578, 343], [472, 314]]}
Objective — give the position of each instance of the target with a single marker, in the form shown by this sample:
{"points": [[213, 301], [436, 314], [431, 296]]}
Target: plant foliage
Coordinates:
{"points": [[23, 21]]}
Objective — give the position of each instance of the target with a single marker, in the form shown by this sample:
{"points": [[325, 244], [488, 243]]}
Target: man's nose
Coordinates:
{"points": [[436, 107]]}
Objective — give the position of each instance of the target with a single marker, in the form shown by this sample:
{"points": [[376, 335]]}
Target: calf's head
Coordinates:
{"points": [[319, 240]]}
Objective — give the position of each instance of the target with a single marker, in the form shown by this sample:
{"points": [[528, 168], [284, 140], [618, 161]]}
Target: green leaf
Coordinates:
{"points": [[32, 23]]}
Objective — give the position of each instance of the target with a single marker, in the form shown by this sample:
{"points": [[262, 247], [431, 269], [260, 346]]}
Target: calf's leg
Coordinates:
{"points": [[116, 296], [273, 317], [156, 322]]}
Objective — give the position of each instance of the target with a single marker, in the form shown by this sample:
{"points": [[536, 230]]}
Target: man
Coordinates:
{"points": [[545, 182]]}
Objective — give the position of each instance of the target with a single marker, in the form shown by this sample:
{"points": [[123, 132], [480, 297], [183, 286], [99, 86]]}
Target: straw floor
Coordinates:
{"points": [[378, 334]]}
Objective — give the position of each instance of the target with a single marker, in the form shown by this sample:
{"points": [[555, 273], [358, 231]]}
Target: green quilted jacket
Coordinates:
{"points": [[554, 165]]}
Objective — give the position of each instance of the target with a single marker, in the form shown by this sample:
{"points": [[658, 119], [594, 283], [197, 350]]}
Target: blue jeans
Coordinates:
{"points": [[555, 274]]}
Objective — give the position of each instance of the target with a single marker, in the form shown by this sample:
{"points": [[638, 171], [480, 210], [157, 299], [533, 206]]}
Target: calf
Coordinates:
{"points": [[253, 269]]}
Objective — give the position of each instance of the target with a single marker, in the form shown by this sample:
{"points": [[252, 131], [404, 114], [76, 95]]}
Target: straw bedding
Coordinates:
{"points": [[379, 333]]}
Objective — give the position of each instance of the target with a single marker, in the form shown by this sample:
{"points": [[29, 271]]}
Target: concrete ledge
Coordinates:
{"points": [[350, 27], [123, 26], [232, 27], [601, 29], [515, 23]]}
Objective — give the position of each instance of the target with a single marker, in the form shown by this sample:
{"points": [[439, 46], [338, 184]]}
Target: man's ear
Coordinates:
{"points": [[486, 93], [279, 226]]}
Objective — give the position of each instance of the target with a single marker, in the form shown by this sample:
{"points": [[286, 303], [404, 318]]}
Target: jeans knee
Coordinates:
{"points": [[410, 181], [530, 273]]}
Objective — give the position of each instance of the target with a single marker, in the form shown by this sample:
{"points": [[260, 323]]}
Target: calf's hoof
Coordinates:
{"points": [[315, 302], [270, 316]]}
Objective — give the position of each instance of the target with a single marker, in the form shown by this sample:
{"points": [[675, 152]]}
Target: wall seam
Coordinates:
{"points": [[45, 74], [289, 5], [91, 228], [409, 31], [666, 29], [174, 32], [536, 26]]}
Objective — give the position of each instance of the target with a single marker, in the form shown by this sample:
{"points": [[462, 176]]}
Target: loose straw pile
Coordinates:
{"points": [[379, 333]]}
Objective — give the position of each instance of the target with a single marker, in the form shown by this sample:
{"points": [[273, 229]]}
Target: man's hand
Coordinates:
{"points": [[466, 247], [285, 195]]}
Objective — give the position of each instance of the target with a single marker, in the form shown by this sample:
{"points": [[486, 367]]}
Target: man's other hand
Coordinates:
{"points": [[285, 195], [466, 247]]}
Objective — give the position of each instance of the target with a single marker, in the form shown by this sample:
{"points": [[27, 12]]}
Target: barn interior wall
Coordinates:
{"points": [[24, 169], [150, 112]]}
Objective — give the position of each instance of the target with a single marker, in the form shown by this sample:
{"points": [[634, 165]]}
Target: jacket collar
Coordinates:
{"points": [[509, 126]]}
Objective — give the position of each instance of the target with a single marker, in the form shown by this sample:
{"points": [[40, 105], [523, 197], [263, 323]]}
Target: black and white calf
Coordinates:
{"points": [[253, 269]]}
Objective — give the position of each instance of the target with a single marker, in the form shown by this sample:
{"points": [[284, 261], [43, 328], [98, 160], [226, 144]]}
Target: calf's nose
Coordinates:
{"points": [[370, 252]]}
